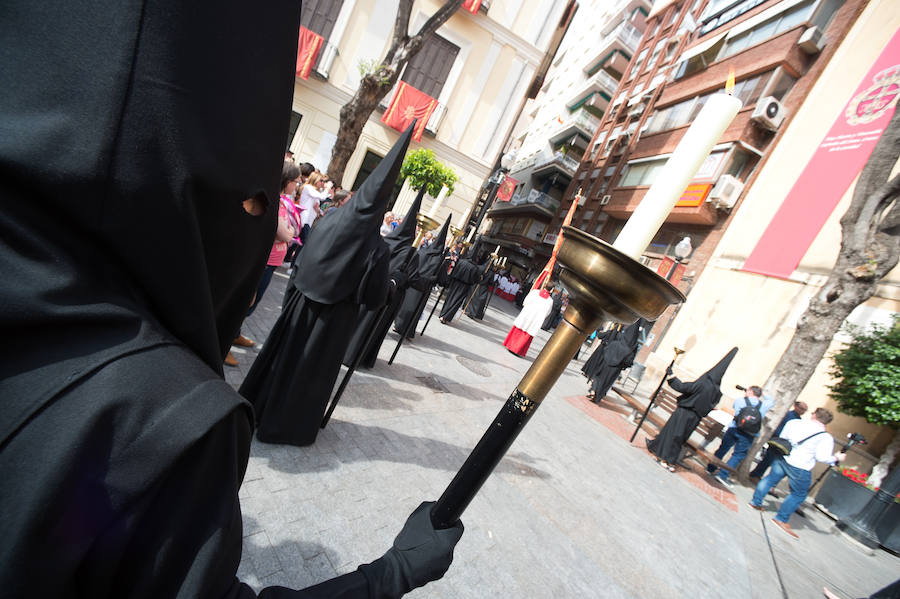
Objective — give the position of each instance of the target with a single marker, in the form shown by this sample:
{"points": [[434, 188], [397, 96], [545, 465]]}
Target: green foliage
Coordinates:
{"points": [[422, 168], [371, 67], [869, 375]]}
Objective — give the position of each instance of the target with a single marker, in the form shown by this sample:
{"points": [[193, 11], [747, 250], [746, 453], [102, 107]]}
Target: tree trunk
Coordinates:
{"points": [[870, 246], [883, 466], [373, 87]]}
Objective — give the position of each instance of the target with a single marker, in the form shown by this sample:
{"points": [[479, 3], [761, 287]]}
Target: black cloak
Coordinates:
{"points": [[697, 399], [617, 355], [129, 261], [404, 267], [344, 263], [465, 274], [481, 295], [603, 338], [551, 321], [431, 261]]}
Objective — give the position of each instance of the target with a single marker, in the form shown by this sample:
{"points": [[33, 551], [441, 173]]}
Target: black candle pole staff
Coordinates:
{"points": [[410, 327], [653, 397], [366, 346], [433, 308]]}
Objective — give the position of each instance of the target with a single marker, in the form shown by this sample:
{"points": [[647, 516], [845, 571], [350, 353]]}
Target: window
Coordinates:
{"points": [[701, 60], [824, 12], [642, 173], [780, 84], [637, 63], [319, 16], [427, 71], [767, 29], [739, 160]]}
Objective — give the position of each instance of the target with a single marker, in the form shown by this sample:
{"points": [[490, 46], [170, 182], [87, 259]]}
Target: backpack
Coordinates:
{"points": [[749, 419]]}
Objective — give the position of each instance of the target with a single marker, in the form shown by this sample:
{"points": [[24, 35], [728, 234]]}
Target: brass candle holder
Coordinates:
{"points": [[603, 283], [426, 223]]}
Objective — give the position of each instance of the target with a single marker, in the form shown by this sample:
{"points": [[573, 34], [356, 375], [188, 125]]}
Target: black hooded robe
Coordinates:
{"points": [[459, 289], [602, 339], [697, 399], [344, 264], [617, 355], [431, 262], [481, 295], [551, 321], [123, 448]]}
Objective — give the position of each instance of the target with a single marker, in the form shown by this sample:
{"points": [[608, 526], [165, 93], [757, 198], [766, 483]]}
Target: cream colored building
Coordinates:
{"points": [[497, 53], [730, 307]]}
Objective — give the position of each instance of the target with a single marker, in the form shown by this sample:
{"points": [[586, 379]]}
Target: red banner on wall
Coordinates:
{"points": [[308, 46], [471, 6], [837, 161], [408, 104], [506, 189]]}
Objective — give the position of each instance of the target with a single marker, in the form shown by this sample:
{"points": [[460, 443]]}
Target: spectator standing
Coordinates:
{"points": [[311, 194], [741, 437], [811, 443], [760, 469], [387, 224]]}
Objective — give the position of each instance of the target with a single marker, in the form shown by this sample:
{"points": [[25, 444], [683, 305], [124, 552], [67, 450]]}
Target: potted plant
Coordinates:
{"points": [[421, 168]]}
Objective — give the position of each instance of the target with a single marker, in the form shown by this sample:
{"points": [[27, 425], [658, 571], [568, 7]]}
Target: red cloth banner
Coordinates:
{"points": [[408, 104], [548, 268], [506, 189], [837, 161], [471, 5], [308, 46]]}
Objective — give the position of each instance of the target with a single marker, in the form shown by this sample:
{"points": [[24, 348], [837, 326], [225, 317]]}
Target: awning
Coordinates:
{"points": [[701, 48], [763, 16]]}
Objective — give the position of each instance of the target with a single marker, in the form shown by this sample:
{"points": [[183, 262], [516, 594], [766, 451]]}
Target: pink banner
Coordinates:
{"points": [[837, 161]]}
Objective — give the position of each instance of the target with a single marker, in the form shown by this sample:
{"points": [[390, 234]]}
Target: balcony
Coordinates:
{"points": [[537, 198], [327, 53], [434, 121], [547, 162], [600, 82], [625, 37], [579, 121]]}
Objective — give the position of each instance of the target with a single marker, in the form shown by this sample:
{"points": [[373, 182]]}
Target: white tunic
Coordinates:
{"points": [[534, 310]]}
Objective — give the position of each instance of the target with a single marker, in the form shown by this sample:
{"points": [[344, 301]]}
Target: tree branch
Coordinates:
{"points": [[401, 29], [439, 18]]}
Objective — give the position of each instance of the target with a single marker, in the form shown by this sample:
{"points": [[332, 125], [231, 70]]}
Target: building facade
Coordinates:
{"points": [[478, 67], [553, 133]]}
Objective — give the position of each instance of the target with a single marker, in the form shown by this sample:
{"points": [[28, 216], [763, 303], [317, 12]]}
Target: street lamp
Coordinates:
{"points": [[506, 163], [683, 249]]}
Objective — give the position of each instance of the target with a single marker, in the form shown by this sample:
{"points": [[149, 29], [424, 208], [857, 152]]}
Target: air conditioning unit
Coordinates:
{"points": [[604, 200], [812, 41], [726, 191], [769, 113]]}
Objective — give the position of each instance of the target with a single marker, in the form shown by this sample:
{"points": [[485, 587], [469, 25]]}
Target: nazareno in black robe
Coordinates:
{"points": [[372, 325], [480, 296], [697, 399], [344, 264], [617, 355], [550, 321], [123, 448], [463, 276], [431, 262]]}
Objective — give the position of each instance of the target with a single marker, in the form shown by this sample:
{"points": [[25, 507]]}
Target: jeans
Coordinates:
{"points": [[760, 469], [798, 479], [741, 442]]}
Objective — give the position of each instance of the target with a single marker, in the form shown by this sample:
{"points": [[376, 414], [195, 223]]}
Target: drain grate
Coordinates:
{"points": [[432, 383], [476, 367]]}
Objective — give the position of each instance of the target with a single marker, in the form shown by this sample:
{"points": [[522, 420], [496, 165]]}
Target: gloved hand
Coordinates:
{"points": [[400, 278], [420, 554], [669, 371]]}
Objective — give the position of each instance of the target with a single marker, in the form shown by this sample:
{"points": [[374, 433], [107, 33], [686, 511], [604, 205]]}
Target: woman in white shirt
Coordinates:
{"points": [[312, 193]]}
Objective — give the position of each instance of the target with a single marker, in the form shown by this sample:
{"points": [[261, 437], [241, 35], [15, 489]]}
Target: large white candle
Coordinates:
{"points": [[695, 146], [464, 219], [438, 201], [471, 235]]}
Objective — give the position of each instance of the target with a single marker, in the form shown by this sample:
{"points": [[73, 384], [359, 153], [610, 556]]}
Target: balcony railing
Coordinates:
{"points": [[434, 121], [566, 164], [535, 197], [626, 34], [606, 82], [327, 53]]}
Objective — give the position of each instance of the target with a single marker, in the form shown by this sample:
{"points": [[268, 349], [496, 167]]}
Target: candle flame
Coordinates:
{"points": [[729, 83]]}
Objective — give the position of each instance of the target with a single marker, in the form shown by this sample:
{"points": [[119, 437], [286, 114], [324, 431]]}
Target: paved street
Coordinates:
{"points": [[572, 511]]}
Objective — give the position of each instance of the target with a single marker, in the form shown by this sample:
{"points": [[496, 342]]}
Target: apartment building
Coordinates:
{"points": [[553, 134], [478, 67]]}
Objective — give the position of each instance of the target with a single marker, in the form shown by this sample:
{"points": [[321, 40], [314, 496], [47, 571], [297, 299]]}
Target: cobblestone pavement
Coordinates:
{"points": [[572, 511]]}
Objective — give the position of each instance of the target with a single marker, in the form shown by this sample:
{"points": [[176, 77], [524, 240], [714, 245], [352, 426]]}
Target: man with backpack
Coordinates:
{"points": [[809, 443], [749, 412]]}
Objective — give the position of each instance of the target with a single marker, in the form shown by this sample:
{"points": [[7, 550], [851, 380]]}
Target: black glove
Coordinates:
{"points": [[420, 554], [669, 371], [400, 278]]}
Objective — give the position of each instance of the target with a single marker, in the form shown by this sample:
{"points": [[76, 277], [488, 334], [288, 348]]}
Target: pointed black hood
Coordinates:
{"points": [[631, 334], [338, 249], [431, 258], [400, 240], [716, 373]]}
